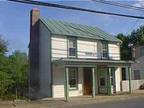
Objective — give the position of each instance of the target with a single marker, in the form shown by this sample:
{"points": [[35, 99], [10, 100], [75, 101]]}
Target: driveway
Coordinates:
{"points": [[130, 103]]}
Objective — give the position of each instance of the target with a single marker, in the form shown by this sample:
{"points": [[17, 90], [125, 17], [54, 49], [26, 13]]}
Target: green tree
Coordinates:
{"points": [[125, 51], [19, 67]]}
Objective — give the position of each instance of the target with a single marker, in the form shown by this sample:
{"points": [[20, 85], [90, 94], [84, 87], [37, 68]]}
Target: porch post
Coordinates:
{"points": [[129, 74], [93, 82], [66, 84], [109, 81]]}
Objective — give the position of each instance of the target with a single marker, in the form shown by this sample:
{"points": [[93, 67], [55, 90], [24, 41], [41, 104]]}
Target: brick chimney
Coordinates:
{"points": [[34, 51]]}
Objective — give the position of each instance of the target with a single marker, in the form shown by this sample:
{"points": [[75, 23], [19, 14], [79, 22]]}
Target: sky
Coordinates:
{"points": [[15, 19]]}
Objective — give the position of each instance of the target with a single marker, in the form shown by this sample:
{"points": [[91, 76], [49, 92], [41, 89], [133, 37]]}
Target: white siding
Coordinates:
{"points": [[118, 79], [114, 51], [59, 46], [59, 81], [87, 48]]}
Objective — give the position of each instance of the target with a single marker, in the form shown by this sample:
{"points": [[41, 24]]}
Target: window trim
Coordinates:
{"points": [[107, 50], [73, 38], [73, 88]]}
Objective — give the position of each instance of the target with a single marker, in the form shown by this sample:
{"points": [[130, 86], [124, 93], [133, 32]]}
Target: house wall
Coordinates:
{"points": [[135, 85], [59, 81], [118, 78], [86, 48], [59, 46], [114, 51], [45, 61]]}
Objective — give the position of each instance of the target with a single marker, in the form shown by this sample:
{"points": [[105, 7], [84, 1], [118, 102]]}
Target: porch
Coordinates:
{"points": [[98, 76]]}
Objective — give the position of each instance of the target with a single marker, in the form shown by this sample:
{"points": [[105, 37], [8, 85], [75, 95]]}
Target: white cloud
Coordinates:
{"points": [[139, 3]]}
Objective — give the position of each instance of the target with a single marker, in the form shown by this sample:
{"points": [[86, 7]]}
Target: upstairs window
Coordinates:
{"points": [[72, 49], [104, 50]]}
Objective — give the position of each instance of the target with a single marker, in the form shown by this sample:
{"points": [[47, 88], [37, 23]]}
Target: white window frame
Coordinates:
{"points": [[75, 77], [72, 46]]}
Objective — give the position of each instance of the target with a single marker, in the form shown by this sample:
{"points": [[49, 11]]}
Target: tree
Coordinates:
{"points": [[19, 67], [136, 38], [3, 46], [125, 51]]}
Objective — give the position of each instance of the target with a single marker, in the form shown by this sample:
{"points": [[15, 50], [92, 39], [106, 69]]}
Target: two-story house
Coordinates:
{"points": [[69, 59]]}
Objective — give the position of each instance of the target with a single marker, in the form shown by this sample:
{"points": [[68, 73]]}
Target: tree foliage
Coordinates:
{"points": [[13, 71], [136, 38]]}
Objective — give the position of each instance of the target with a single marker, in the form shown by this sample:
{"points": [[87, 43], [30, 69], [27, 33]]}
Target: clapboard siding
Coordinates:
{"points": [[118, 78], [59, 81], [86, 48], [59, 46], [114, 51]]}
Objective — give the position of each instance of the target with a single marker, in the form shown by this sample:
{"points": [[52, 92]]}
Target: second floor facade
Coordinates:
{"points": [[77, 41], [74, 47]]}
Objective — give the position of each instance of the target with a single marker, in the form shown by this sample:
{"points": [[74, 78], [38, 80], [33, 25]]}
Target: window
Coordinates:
{"points": [[123, 73], [104, 50], [72, 47], [136, 74], [142, 51], [73, 78], [102, 82]]}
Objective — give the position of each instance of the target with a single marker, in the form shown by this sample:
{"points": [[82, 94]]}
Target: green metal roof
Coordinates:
{"points": [[70, 29]]}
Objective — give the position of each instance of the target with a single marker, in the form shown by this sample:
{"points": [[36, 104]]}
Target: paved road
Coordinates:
{"points": [[131, 103]]}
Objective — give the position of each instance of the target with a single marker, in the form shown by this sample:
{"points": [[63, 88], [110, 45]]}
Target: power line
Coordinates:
{"points": [[119, 5], [74, 8]]}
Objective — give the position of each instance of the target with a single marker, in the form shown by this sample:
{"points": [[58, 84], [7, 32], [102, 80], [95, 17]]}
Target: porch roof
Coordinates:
{"points": [[92, 62]]}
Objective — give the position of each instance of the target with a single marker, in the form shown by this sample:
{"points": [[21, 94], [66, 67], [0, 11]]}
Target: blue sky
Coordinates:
{"points": [[14, 19]]}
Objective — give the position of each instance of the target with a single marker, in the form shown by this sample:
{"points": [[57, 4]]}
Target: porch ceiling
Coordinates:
{"points": [[91, 62]]}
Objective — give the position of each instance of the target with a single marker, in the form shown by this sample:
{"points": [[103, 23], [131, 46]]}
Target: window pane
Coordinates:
{"points": [[102, 81], [72, 47], [104, 50], [73, 77], [72, 51]]}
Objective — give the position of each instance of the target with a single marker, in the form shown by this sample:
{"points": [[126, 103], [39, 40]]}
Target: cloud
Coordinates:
{"points": [[139, 3]]}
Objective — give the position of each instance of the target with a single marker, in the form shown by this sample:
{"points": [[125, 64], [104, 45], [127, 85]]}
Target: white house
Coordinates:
{"points": [[69, 59]]}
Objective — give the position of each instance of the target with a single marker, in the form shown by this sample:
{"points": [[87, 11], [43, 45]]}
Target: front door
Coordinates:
{"points": [[102, 80], [87, 81]]}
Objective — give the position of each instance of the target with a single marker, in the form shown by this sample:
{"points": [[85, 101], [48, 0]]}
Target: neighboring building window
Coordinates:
{"points": [[73, 78], [104, 50], [123, 70], [142, 51], [72, 49], [136, 74]]}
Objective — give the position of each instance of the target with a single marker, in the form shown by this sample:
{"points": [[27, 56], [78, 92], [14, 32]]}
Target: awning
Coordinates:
{"points": [[90, 62]]}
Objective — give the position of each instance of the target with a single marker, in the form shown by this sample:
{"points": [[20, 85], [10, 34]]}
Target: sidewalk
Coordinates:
{"points": [[61, 103]]}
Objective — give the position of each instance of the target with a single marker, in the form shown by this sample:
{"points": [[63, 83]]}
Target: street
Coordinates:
{"points": [[131, 103]]}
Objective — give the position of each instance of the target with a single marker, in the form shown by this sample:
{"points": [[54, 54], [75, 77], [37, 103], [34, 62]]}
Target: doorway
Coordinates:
{"points": [[102, 80], [87, 75]]}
